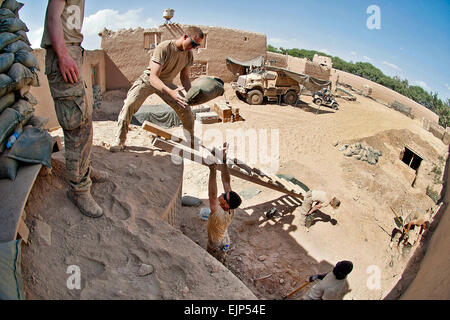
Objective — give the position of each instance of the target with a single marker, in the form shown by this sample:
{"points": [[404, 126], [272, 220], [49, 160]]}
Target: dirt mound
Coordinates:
{"points": [[129, 253]]}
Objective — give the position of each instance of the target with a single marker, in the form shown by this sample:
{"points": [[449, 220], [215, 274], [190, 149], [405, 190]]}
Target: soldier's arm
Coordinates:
{"points": [[184, 77], [226, 178], [156, 82], [67, 65], [212, 189]]}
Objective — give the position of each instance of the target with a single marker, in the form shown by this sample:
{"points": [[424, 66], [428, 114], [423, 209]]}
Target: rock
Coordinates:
{"points": [[43, 231], [281, 281], [185, 291], [335, 144], [190, 201], [161, 179], [344, 147], [262, 258], [145, 270]]}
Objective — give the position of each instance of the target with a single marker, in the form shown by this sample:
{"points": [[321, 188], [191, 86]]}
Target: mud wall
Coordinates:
{"points": [[131, 50], [97, 69], [432, 280], [383, 94]]}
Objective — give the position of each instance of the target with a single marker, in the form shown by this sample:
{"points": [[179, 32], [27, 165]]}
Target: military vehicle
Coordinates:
{"points": [[321, 98], [274, 85]]}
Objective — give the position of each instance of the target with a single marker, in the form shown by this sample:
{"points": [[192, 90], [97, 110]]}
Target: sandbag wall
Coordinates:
{"points": [[18, 68]]}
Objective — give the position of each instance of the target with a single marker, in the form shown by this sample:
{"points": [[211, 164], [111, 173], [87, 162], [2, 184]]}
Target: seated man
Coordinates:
{"points": [[222, 212], [321, 200], [332, 285], [170, 58]]}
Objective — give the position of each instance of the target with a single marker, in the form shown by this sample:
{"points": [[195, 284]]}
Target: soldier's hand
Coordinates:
{"points": [[180, 100], [68, 68]]}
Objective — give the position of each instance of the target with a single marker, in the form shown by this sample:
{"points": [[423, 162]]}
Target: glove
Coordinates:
{"points": [[313, 278]]}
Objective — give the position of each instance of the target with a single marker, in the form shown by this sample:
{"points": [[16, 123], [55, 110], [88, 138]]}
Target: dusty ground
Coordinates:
{"points": [[357, 230], [279, 251]]}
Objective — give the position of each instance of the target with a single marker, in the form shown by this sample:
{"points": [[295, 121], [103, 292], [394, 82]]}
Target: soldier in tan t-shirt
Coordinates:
{"points": [[170, 58], [222, 211]]}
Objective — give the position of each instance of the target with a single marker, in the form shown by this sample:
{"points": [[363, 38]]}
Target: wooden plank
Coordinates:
{"points": [[23, 231], [14, 197], [222, 110], [188, 153], [159, 131]]}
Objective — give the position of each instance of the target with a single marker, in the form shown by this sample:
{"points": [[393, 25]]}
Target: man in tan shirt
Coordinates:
{"points": [[63, 61], [222, 211], [332, 285], [170, 58]]}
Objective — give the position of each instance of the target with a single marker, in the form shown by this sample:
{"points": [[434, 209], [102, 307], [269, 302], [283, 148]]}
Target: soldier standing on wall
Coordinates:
{"points": [[63, 61]]}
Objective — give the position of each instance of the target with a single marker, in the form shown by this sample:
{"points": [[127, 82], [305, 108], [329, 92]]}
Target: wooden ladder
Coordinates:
{"points": [[171, 143]]}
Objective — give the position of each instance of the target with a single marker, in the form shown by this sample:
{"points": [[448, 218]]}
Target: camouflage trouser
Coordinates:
{"points": [[215, 249], [136, 96], [75, 117]]}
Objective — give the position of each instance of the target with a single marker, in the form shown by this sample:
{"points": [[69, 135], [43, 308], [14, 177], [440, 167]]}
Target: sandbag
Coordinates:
{"points": [[23, 36], [12, 5], [7, 101], [12, 25], [6, 84], [189, 201], [11, 282], [30, 98], [8, 167], [20, 75], [6, 13], [38, 121], [33, 146], [9, 119], [204, 89], [7, 38], [23, 107], [6, 61], [16, 46], [26, 58]]}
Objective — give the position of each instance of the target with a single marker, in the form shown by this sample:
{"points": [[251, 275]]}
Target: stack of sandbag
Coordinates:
{"points": [[18, 68], [360, 151]]}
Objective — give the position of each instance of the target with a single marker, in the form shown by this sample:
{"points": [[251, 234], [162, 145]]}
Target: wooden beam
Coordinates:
{"points": [[190, 154], [23, 231], [159, 131]]}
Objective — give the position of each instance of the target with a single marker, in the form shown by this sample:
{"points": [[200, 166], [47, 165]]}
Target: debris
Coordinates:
{"points": [[261, 278], [262, 258], [145, 270]]}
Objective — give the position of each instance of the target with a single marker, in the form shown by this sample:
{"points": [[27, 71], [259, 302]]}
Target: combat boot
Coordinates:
{"points": [[86, 203], [98, 175]]}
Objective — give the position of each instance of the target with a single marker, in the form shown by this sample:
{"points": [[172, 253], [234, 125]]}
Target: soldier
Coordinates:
{"points": [[412, 220], [170, 58], [63, 61], [321, 200], [222, 212], [332, 285]]}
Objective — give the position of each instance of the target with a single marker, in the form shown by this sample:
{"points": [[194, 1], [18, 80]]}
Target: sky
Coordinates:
{"points": [[409, 39]]}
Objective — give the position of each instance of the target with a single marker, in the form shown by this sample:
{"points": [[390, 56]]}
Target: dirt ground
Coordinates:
{"points": [[271, 257]]}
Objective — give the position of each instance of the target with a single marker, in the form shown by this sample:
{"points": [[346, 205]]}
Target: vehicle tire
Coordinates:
{"points": [[240, 96], [335, 106], [255, 97], [318, 101], [290, 98]]}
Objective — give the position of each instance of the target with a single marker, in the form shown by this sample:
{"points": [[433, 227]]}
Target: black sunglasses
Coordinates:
{"points": [[193, 43], [225, 197]]}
